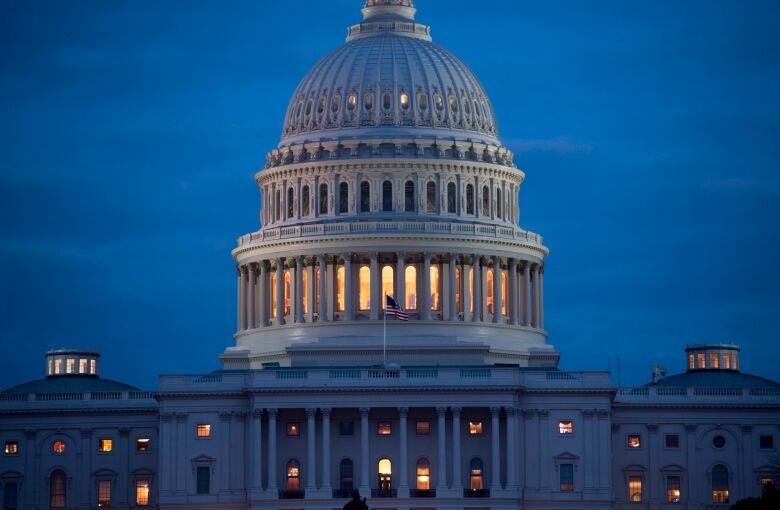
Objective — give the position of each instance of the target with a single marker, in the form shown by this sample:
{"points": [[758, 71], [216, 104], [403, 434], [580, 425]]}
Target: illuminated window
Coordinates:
{"points": [[566, 427], [57, 489], [423, 475], [700, 360], [58, 447], [438, 101], [142, 492], [384, 428], [317, 289], [475, 428], [485, 201], [387, 282], [104, 494], [305, 201], [203, 430], [451, 198], [504, 292], [720, 484], [92, 367], [340, 289], [725, 361], [343, 197], [57, 366], [430, 197], [346, 476], [714, 358], [476, 478], [766, 442], [69, 364], [423, 428], [290, 203], [469, 199], [304, 288], [634, 441], [387, 196], [203, 480], [473, 296], [12, 447], [293, 476], [365, 196], [404, 100], [691, 362], [364, 288], [272, 291], [733, 361], [458, 305], [489, 292], [49, 367], [293, 428], [409, 205], [566, 477], [435, 282], [143, 445], [105, 445], [411, 287], [767, 483], [673, 489], [635, 489], [453, 104], [672, 440], [323, 200], [351, 102], [385, 470], [321, 104], [83, 366], [287, 289]]}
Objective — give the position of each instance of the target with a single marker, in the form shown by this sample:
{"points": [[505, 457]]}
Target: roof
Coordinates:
{"points": [[717, 378], [69, 384]]}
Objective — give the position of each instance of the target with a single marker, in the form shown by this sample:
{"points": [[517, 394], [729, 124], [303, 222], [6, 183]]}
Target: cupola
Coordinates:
{"points": [[712, 357], [71, 362]]}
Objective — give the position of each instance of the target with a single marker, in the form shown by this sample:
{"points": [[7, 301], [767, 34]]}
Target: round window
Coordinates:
{"points": [[718, 442], [58, 447]]}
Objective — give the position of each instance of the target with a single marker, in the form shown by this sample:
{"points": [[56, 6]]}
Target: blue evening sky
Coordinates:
{"points": [[649, 132]]}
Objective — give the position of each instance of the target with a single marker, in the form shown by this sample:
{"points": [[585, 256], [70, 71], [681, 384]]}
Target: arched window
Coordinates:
{"points": [[293, 473], [368, 101], [317, 290], [411, 287], [272, 292], [489, 293], [304, 288], [351, 101], [485, 201], [290, 202], [323, 198], [387, 101], [305, 201], [346, 477], [335, 103], [365, 196], [499, 201], [385, 469], [409, 196], [453, 104], [364, 288], [469, 199], [476, 479], [321, 104], [720, 484], [404, 100], [423, 475], [343, 197], [458, 307], [438, 101], [435, 281], [340, 289], [430, 197], [57, 489], [504, 292], [287, 289], [278, 205], [387, 196], [451, 198], [387, 283], [422, 101]]}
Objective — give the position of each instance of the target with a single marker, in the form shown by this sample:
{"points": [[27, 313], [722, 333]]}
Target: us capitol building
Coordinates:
{"points": [[390, 179]]}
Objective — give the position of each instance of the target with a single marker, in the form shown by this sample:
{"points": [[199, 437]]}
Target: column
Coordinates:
{"points": [[541, 297], [272, 461], [182, 460], [240, 309], [457, 483], [365, 488], [589, 467], [465, 293], [403, 462], [526, 294], [497, 302], [310, 290], [441, 468], [476, 294], [512, 291], [495, 450], [377, 301], [250, 297], [533, 304], [323, 311], [511, 448], [263, 297], [311, 453], [256, 457], [425, 303], [400, 280], [349, 298], [453, 315], [299, 289], [280, 291], [327, 492], [605, 448]]}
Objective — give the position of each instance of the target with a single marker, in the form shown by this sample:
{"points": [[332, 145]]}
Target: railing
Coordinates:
{"points": [[476, 493], [291, 494], [383, 493], [82, 399], [423, 493], [693, 393]]}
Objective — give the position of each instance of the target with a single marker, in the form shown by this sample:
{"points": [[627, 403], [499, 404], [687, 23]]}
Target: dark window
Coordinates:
{"points": [[423, 428], [387, 196], [278, 205], [719, 442], [386, 101], [766, 442], [567, 477], [430, 197], [290, 203], [346, 428], [720, 484], [498, 203], [143, 445], [485, 201], [343, 197], [10, 496], [672, 441], [346, 477], [409, 196], [469, 199], [57, 493], [451, 199], [323, 198], [365, 196], [203, 480], [305, 201]]}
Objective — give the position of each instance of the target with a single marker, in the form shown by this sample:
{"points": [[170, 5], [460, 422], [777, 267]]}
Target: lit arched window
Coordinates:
{"points": [[340, 289], [287, 289], [387, 196], [458, 307], [293, 476], [385, 469], [489, 292], [485, 201], [435, 281], [351, 102], [323, 198], [364, 288], [411, 287], [430, 197], [346, 477], [720, 484], [317, 289], [469, 199], [504, 291], [451, 198], [305, 201], [57, 489], [290, 203], [305, 288], [404, 99], [387, 282], [498, 203], [343, 197], [473, 296], [453, 104], [365, 196], [278, 205], [423, 475], [476, 480], [272, 291], [438, 101], [409, 196]]}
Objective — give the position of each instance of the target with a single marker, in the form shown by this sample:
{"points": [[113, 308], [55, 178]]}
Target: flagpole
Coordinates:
{"points": [[384, 333]]}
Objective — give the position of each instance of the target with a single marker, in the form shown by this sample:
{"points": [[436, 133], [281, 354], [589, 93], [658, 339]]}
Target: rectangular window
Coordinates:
{"points": [[143, 445], [423, 428], [475, 428], [565, 427], [768, 483], [58, 366], [203, 480], [700, 360], [203, 430], [714, 359], [69, 364], [83, 366], [384, 428], [567, 477], [346, 428], [673, 489], [12, 447], [691, 362], [293, 428], [672, 440], [92, 367], [766, 442], [142, 492], [105, 445], [635, 489], [634, 441], [10, 496], [104, 493]]}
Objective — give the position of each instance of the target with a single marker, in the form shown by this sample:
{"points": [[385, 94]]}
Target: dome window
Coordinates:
{"points": [[335, 101], [321, 105], [422, 101], [387, 101], [454, 104], [368, 101], [466, 106], [351, 102], [308, 107], [476, 108], [438, 101], [298, 110], [404, 100]]}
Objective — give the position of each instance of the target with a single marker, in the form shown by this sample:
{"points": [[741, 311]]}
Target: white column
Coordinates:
{"points": [[512, 291], [425, 303], [495, 451], [263, 294], [453, 288], [250, 297], [365, 488], [323, 311], [349, 298], [327, 492], [299, 289], [457, 484], [400, 276], [511, 448], [280, 291], [272, 461], [465, 293], [497, 301], [476, 293], [256, 457], [541, 297], [311, 452], [240, 299], [441, 477], [403, 483], [377, 302]]}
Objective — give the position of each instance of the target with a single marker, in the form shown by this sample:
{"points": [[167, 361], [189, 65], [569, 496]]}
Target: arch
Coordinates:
{"points": [[469, 199], [58, 489], [435, 286], [423, 476], [476, 474], [343, 197], [430, 197], [720, 483], [451, 200], [305, 200], [388, 281], [410, 282], [292, 475], [404, 100], [387, 196], [290, 202], [409, 199], [485, 201], [323, 200], [346, 476], [499, 204], [335, 103], [351, 101], [385, 475], [364, 288], [438, 101], [365, 196]]}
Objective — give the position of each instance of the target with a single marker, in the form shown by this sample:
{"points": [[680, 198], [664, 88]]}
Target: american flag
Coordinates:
{"points": [[393, 309]]}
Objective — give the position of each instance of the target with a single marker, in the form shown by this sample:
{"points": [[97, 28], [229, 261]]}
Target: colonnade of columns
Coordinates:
{"points": [[448, 287]]}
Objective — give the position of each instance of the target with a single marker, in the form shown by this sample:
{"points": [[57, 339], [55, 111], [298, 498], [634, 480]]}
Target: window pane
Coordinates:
{"points": [[387, 282], [423, 475], [294, 429], [430, 197], [12, 447], [451, 198], [293, 476], [287, 291], [634, 441], [142, 492], [323, 201], [143, 444], [384, 428], [475, 428], [10, 496], [365, 196], [475, 475], [340, 289], [673, 489], [203, 480], [409, 196], [504, 292], [458, 307], [305, 201], [720, 484], [387, 196], [435, 285], [305, 288], [364, 288], [635, 489], [469, 199], [57, 489], [489, 290], [411, 287], [105, 445], [672, 441], [272, 291], [565, 427], [343, 197], [567, 477], [423, 428], [203, 430]]}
